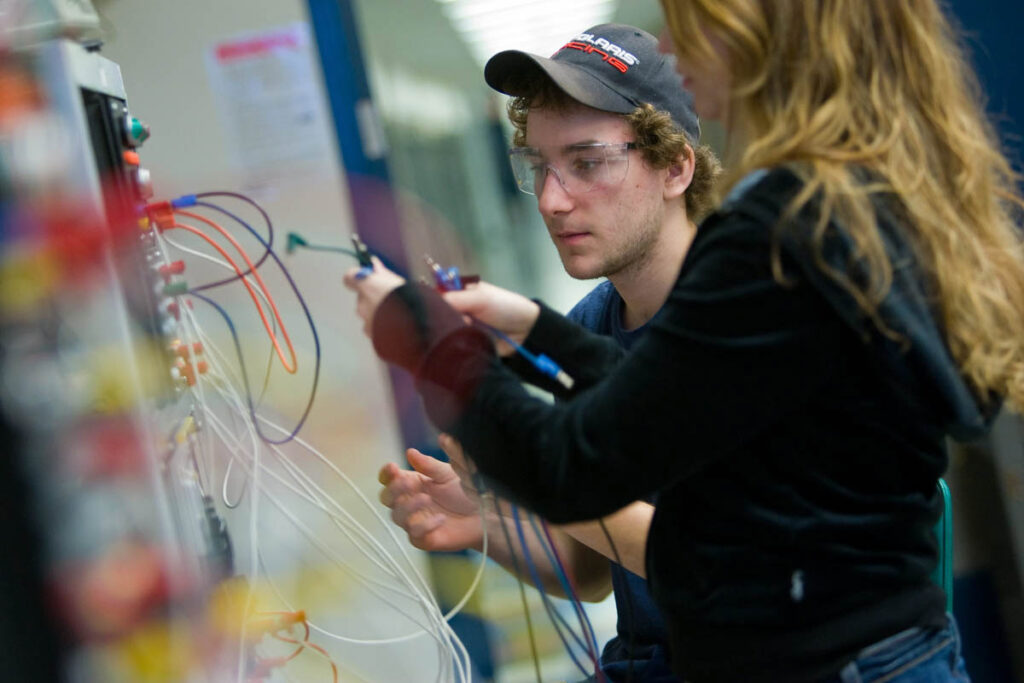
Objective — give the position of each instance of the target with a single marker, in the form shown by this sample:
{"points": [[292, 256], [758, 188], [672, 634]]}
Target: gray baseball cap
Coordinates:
{"points": [[611, 67]]}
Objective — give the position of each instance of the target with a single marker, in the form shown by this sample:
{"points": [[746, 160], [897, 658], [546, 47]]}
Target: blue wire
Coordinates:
{"points": [[547, 544], [519, 581], [245, 375], [581, 614], [312, 326], [552, 612], [542, 363], [450, 281]]}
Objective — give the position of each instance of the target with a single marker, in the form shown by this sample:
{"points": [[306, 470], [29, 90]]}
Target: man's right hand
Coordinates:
{"points": [[506, 311], [430, 504]]}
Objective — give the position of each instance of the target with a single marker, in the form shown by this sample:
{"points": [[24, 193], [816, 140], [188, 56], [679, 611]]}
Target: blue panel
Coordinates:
{"points": [[376, 220], [341, 56]]}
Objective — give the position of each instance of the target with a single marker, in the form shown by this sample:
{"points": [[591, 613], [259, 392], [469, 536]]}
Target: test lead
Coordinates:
{"points": [[362, 253], [450, 281], [295, 241], [363, 256]]}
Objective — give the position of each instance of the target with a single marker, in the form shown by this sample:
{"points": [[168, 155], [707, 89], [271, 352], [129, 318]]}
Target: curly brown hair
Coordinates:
{"points": [[659, 140]]}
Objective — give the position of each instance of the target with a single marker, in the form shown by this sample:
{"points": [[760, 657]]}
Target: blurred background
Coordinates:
{"points": [[336, 117]]}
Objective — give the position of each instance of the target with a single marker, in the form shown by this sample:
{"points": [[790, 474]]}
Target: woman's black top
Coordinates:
{"points": [[794, 448]]}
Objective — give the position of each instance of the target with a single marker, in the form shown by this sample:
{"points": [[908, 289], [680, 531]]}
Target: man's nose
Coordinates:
{"points": [[552, 195]]}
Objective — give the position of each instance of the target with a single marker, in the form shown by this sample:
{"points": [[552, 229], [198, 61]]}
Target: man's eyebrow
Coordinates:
{"points": [[582, 144], [571, 147]]}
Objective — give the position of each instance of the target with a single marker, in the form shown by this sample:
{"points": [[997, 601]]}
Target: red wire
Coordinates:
{"points": [[289, 367]]}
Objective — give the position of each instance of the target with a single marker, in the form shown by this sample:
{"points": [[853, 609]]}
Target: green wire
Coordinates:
{"points": [[296, 240]]}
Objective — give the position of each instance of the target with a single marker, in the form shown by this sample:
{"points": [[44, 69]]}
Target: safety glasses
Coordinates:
{"points": [[578, 168]]}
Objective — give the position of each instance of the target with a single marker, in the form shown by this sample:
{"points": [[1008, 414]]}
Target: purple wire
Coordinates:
{"points": [[268, 243], [580, 612], [552, 612], [305, 309], [563, 579]]}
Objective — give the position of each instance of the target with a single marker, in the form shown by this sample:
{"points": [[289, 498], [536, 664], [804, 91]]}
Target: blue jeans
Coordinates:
{"points": [[911, 656]]}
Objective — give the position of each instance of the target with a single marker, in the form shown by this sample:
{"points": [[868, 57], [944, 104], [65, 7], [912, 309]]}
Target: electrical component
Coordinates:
{"points": [[175, 288], [296, 240], [273, 622], [174, 309], [118, 508], [184, 350], [144, 182], [156, 579], [161, 214], [172, 268], [187, 429], [220, 559], [362, 253], [446, 280], [134, 131]]}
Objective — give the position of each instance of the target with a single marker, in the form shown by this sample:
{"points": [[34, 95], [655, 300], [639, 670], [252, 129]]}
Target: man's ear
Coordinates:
{"points": [[680, 174]]}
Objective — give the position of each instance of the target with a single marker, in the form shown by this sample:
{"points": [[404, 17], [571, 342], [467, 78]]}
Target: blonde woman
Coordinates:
{"points": [[857, 297]]}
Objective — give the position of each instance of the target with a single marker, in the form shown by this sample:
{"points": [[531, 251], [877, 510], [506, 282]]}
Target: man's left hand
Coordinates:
{"points": [[371, 286]]}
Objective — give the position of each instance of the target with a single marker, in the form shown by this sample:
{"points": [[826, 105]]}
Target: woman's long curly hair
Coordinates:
{"points": [[841, 90]]}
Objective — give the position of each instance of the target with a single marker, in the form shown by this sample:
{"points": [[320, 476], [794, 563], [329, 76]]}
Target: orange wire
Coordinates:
{"points": [[289, 367], [304, 644], [301, 644], [252, 269], [334, 667]]}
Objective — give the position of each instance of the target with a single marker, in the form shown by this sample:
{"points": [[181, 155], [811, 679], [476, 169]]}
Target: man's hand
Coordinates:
{"points": [[371, 286], [429, 502], [507, 311]]}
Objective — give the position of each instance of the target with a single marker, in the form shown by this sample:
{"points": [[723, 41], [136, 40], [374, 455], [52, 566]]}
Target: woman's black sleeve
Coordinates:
{"points": [[585, 356], [731, 353]]}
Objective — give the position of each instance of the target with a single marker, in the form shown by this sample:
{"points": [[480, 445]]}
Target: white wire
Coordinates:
{"points": [[318, 504], [237, 401], [185, 317], [452, 650], [254, 286], [441, 637], [323, 631], [310, 497], [254, 568], [388, 528], [188, 321], [387, 525], [330, 554]]}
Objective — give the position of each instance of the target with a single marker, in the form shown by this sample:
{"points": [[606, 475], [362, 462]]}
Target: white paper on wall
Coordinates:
{"points": [[267, 90]]}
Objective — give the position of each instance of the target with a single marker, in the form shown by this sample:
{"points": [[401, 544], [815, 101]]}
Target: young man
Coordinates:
{"points": [[606, 138]]}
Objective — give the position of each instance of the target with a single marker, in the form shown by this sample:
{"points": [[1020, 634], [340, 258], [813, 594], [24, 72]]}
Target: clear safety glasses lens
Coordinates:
{"points": [[580, 168]]}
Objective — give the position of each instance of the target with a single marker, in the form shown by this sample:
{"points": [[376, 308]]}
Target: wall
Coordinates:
{"points": [[161, 48]]}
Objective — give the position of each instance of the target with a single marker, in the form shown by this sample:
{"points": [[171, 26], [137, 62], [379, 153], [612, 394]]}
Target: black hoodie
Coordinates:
{"points": [[795, 449]]}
